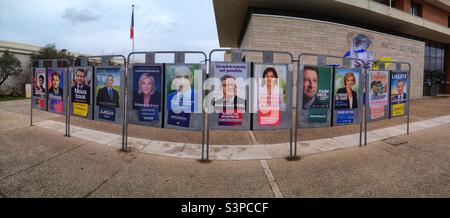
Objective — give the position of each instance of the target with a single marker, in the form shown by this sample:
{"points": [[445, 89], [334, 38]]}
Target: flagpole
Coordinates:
{"points": [[133, 30]]}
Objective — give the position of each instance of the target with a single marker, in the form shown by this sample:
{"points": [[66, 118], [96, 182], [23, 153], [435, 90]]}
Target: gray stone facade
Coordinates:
{"points": [[298, 35]]}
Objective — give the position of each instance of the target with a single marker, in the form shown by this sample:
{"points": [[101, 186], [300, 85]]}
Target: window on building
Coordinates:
{"points": [[434, 68], [416, 9], [387, 2]]}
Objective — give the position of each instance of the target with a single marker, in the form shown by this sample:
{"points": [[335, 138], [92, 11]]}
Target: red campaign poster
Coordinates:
{"points": [[230, 118]]}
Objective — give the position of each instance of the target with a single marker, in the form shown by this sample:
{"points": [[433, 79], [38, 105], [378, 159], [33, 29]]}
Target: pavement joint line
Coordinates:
{"points": [[406, 159], [272, 181], [256, 155], [101, 184], [42, 162], [252, 137], [106, 180]]}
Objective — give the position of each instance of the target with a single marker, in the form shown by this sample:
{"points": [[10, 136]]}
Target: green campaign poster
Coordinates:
{"points": [[316, 93]]}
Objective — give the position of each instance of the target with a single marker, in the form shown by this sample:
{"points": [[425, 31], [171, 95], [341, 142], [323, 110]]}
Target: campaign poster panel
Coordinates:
{"points": [[146, 102], [399, 95], [184, 96], [81, 90], [271, 96], [108, 90], [315, 91], [229, 96], [348, 95], [378, 91], [39, 89], [55, 82]]}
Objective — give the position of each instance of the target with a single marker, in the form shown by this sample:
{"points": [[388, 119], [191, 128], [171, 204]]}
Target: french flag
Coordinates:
{"points": [[132, 25]]}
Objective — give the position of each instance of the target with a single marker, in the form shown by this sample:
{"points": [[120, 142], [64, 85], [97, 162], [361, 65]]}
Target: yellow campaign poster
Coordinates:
{"points": [[398, 109], [376, 66], [80, 109]]}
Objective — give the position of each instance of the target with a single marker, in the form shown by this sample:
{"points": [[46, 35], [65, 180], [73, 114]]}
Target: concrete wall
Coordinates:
{"points": [[302, 35]]}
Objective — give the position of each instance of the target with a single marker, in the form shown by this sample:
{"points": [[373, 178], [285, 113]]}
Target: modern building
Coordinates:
{"points": [[414, 31]]}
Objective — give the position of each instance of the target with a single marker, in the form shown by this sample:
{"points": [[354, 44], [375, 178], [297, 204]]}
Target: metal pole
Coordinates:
{"points": [[366, 101], [32, 96], [409, 94], [296, 111], [68, 99], [360, 114], [125, 106], [207, 146]]}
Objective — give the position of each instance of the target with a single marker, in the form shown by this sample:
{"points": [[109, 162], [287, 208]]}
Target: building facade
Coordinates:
{"points": [[15, 85], [402, 30]]}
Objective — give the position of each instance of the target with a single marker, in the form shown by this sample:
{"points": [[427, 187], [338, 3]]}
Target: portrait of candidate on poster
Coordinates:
{"points": [[271, 96], [108, 93], [229, 96], [347, 96], [56, 90], [39, 89], [314, 96], [81, 91], [399, 95], [184, 96], [145, 98], [378, 92]]}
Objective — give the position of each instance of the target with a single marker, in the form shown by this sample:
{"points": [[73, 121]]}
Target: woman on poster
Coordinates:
{"points": [[147, 94], [346, 97], [270, 99]]}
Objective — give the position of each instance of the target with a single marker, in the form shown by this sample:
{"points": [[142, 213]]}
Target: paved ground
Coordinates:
{"points": [[36, 162]]}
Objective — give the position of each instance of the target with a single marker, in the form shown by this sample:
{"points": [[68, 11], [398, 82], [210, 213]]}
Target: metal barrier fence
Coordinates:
{"points": [[336, 108]]}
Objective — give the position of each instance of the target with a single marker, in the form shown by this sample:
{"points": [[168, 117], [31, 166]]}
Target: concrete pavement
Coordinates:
{"points": [[37, 162]]}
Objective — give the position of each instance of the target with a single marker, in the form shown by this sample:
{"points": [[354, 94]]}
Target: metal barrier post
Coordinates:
{"points": [[321, 61]]}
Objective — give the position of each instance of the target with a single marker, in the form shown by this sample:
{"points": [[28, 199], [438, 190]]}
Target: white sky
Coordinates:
{"points": [[98, 27]]}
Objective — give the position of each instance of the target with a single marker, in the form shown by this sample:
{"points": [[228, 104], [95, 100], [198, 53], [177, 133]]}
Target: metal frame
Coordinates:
{"points": [[398, 66], [104, 59], [84, 62], [236, 57], [321, 61], [179, 57], [54, 64]]}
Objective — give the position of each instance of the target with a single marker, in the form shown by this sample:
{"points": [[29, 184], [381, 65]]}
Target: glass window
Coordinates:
{"points": [[432, 64], [439, 52], [433, 52], [427, 50], [439, 64], [416, 9], [427, 63]]}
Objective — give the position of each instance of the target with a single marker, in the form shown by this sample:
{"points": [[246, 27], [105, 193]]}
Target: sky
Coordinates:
{"points": [[102, 27]]}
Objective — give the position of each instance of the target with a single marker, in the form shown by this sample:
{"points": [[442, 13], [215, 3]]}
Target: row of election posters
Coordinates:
{"points": [[387, 91], [49, 89], [386, 94], [235, 95]]}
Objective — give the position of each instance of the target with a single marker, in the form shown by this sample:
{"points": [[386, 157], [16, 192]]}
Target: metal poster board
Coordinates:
{"points": [[399, 96], [228, 102], [40, 89], [314, 96], [272, 96], [109, 93], [145, 94], [81, 95], [348, 96], [377, 95], [56, 90], [184, 96]]}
